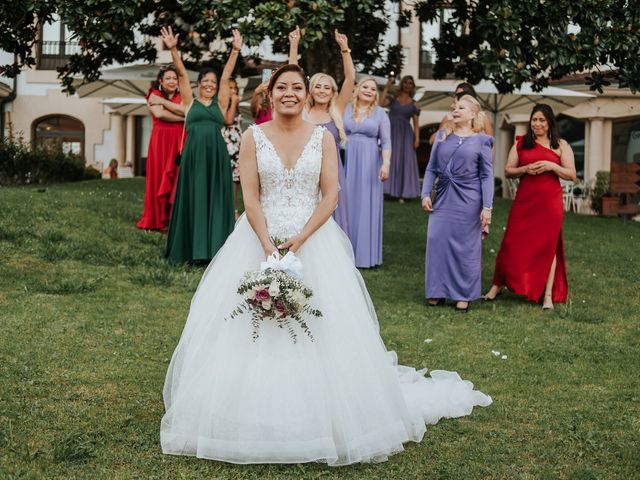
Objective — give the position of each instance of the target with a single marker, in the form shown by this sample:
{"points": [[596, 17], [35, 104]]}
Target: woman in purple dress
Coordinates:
{"points": [[405, 139], [326, 106], [367, 158], [461, 160]]}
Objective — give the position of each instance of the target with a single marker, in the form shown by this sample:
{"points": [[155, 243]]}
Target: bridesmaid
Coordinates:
{"points": [[461, 160], [202, 216], [232, 134], [366, 167], [167, 113], [326, 106], [405, 139], [531, 259]]}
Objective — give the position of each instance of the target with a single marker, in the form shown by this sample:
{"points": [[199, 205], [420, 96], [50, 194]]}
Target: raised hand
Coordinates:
{"points": [[169, 39], [342, 40], [236, 43], [294, 36]]}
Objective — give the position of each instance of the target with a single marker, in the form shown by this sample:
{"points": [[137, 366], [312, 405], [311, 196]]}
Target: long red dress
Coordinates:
{"points": [[162, 171], [534, 232]]}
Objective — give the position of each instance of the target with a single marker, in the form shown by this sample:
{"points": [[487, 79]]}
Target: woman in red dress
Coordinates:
{"points": [[531, 259], [167, 112]]}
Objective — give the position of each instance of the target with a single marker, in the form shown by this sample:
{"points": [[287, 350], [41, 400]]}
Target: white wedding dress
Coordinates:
{"points": [[339, 399]]}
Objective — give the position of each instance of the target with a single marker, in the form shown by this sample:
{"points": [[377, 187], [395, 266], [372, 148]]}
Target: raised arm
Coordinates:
{"points": [[171, 41], [329, 189], [224, 90], [349, 82], [384, 100], [443, 126], [256, 99], [250, 181], [294, 41], [230, 114]]}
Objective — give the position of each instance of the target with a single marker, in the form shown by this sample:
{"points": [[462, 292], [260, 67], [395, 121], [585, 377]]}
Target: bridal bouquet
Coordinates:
{"points": [[277, 293]]}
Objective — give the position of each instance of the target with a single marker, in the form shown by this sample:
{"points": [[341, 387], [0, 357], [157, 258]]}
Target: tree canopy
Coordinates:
{"points": [[505, 41]]}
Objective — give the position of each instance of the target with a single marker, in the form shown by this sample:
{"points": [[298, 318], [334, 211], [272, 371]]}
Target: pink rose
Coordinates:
{"points": [[262, 295]]}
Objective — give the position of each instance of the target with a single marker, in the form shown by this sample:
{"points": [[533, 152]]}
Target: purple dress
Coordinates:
{"points": [[403, 174], [363, 160], [340, 213], [463, 166]]}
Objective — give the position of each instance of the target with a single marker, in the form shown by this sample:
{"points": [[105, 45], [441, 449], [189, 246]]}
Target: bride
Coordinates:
{"points": [[341, 398]]}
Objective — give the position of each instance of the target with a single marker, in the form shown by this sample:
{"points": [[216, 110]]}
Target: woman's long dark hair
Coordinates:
{"points": [[155, 85], [467, 89], [529, 140]]}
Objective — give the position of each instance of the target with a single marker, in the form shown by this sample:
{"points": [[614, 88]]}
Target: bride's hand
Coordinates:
{"points": [[293, 244], [269, 249]]}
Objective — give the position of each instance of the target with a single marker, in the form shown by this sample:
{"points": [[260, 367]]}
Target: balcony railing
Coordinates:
{"points": [[55, 54]]}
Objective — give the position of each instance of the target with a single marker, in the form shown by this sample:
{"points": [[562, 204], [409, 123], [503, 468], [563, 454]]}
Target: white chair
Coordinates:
{"points": [[567, 195]]}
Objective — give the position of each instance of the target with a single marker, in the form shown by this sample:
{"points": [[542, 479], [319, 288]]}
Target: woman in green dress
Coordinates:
{"points": [[202, 216]]}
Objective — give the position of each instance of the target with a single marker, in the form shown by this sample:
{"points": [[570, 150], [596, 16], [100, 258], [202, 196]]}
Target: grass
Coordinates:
{"points": [[91, 313]]}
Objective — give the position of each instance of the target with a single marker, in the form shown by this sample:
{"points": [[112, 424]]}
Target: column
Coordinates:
{"points": [[130, 142], [118, 139], [593, 163]]}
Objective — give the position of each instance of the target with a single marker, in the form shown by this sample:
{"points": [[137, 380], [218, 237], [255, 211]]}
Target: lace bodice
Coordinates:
{"points": [[288, 196]]}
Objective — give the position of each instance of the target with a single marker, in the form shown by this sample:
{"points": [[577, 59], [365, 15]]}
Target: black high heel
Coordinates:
{"points": [[438, 303], [488, 299], [462, 309]]}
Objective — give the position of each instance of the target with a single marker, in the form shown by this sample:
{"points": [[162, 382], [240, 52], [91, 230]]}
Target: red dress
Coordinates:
{"points": [[534, 232], [162, 172]]}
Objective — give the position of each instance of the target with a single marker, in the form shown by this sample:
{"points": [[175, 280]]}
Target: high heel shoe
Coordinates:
{"points": [[547, 305], [462, 309], [486, 298], [438, 302]]}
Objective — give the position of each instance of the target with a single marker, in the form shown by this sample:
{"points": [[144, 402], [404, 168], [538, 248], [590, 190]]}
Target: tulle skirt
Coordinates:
{"points": [[340, 399]]}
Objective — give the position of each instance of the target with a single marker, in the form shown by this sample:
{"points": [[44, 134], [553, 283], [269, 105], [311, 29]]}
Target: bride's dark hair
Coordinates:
{"points": [[290, 67]]}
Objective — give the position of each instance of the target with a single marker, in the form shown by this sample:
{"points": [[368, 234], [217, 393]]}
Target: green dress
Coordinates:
{"points": [[202, 216]]}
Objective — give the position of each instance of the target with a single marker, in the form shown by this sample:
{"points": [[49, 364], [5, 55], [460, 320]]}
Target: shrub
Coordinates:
{"points": [[22, 164], [600, 189]]}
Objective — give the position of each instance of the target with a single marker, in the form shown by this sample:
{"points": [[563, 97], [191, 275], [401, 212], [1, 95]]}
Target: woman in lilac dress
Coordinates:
{"points": [[461, 160], [367, 158], [325, 107], [405, 139]]}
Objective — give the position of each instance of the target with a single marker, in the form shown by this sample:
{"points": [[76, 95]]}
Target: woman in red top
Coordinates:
{"points": [[167, 113], [531, 258]]}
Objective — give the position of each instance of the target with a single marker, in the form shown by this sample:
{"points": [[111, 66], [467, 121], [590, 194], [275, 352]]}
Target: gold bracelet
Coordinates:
{"points": [[346, 50]]}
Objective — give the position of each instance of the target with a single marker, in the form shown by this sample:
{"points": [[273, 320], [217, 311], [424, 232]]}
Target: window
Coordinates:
{"points": [[55, 45], [625, 142], [59, 131], [428, 32], [572, 130]]}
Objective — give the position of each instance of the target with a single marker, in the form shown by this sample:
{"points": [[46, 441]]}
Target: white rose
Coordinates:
{"points": [[298, 298], [274, 288]]}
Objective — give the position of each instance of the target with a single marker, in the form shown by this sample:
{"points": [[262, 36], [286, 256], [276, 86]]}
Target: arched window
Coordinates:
{"points": [[60, 131]]}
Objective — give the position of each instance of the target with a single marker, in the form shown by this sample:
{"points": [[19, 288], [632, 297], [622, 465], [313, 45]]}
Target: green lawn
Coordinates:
{"points": [[91, 313]]}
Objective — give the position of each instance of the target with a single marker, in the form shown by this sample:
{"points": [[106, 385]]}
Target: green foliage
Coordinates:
{"points": [[602, 188], [23, 164], [73, 448], [511, 42]]}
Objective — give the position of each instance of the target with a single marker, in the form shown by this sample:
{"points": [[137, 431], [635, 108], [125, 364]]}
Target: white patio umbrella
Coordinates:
{"points": [[438, 95], [118, 82]]}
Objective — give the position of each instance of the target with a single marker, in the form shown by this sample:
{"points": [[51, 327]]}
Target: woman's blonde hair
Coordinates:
{"points": [[477, 124], [354, 101], [333, 110]]}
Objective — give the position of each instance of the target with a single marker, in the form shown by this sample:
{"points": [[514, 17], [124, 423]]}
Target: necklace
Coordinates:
{"points": [[462, 138]]}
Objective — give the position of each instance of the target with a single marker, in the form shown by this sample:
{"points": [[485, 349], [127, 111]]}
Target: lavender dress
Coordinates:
{"points": [[340, 213], [463, 166], [403, 174], [363, 160]]}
